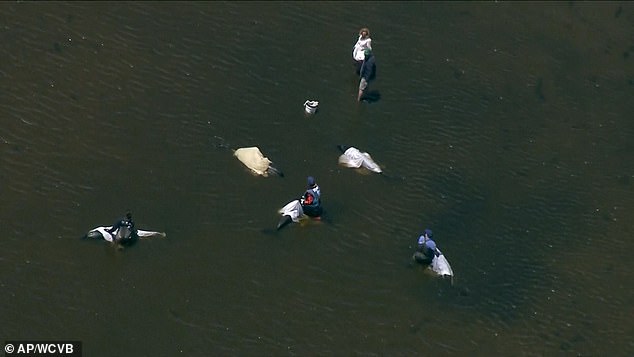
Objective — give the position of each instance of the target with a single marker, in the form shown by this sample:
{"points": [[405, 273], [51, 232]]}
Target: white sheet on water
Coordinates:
{"points": [[292, 209], [252, 158], [352, 157]]}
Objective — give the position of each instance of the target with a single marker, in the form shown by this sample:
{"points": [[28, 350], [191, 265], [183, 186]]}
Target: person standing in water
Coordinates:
{"points": [[367, 73]]}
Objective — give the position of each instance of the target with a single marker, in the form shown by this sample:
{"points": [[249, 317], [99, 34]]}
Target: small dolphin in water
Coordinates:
{"points": [[253, 158], [122, 235], [353, 157]]}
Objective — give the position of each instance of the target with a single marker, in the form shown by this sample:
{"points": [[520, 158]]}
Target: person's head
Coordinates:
{"points": [[128, 215], [311, 182], [428, 233], [367, 52], [364, 32]]}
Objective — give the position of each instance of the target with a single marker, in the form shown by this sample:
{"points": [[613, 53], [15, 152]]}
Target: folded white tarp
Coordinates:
{"points": [[352, 157], [252, 158]]}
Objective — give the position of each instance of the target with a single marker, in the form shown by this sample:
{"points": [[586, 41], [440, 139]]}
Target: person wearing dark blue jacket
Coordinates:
{"points": [[367, 73]]}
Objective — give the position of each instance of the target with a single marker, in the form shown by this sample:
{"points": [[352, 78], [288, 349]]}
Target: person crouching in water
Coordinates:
{"points": [[367, 73], [311, 199], [125, 231], [426, 249]]}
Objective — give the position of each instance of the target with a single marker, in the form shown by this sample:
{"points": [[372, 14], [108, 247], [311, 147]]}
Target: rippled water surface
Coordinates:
{"points": [[505, 127]]}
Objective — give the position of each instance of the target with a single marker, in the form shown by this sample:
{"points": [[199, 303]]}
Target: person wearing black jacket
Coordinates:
{"points": [[128, 225]]}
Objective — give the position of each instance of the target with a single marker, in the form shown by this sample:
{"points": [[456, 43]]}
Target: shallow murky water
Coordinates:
{"points": [[504, 127]]}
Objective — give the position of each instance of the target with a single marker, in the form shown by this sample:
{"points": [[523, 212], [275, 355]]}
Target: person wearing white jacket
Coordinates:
{"points": [[358, 52]]}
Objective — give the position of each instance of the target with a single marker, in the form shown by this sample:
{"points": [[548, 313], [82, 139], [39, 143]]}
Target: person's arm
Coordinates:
{"points": [[420, 244], [307, 199], [115, 226]]}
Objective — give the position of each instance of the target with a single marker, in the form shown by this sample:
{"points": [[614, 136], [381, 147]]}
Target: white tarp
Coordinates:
{"points": [[352, 157], [293, 209], [252, 158], [440, 265]]}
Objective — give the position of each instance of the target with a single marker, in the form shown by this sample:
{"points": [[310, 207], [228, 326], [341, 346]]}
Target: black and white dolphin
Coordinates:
{"points": [[122, 235]]}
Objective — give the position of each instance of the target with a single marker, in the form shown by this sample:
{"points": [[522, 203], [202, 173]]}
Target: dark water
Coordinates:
{"points": [[505, 127]]}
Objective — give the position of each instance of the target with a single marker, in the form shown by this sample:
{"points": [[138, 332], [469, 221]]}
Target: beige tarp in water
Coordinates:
{"points": [[252, 158]]}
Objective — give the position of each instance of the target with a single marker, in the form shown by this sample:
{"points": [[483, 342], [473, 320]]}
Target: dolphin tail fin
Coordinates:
{"points": [[284, 221], [275, 170]]}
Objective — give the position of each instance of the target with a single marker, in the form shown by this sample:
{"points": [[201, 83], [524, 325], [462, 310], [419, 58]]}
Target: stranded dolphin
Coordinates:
{"points": [[122, 234], [253, 158], [353, 157], [291, 212]]}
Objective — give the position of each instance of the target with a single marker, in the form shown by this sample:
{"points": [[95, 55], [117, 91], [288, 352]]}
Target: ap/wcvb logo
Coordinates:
{"points": [[43, 348]]}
